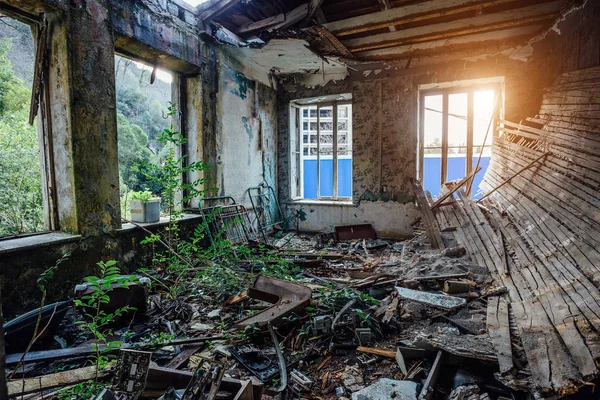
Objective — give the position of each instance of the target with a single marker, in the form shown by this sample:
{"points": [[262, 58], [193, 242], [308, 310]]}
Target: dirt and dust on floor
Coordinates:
{"points": [[340, 315]]}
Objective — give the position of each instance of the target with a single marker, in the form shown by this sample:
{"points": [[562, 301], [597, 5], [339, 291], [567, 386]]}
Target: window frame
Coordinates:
{"points": [[445, 93], [41, 105], [300, 147]]}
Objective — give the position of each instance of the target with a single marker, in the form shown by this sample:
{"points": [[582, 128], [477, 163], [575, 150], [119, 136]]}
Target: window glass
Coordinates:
{"points": [[432, 157], [318, 158]]}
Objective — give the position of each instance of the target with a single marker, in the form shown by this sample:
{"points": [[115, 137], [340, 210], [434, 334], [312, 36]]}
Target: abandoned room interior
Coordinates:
{"points": [[299, 199]]}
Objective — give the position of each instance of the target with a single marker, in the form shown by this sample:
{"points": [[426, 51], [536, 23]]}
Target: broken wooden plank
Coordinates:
{"points": [[409, 13], [499, 331], [435, 300], [45, 382], [430, 382], [463, 26], [183, 356], [377, 351], [429, 220]]}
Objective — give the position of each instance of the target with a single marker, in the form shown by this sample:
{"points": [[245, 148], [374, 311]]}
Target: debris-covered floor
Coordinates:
{"points": [[361, 319]]}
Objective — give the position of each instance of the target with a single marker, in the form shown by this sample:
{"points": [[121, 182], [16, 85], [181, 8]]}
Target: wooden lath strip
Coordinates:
{"points": [[421, 12]]}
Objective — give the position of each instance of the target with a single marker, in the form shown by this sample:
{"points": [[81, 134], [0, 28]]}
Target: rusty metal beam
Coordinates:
{"points": [[286, 297]]}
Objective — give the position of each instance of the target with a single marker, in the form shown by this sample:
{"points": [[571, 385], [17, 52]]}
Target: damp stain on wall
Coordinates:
{"points": [[248, 128]]}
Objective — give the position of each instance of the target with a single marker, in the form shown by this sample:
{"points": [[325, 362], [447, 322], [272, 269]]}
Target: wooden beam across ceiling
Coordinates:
{"points": [[279, 21], [479, 24], [421, 12], [446, 45], [212, 9]]}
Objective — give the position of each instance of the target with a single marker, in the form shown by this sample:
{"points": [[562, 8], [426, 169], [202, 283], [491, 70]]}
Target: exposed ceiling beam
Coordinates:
{"points": [[339, 47], [212, 9], [443, 45], [276, 22], [314, 5], [478, 24], [386, 5], [411, 13]]}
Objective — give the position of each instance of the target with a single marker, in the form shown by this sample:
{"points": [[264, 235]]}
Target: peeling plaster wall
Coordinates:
{"points": [[383, 154], [385, 122], [246, 132], [231, 125]]}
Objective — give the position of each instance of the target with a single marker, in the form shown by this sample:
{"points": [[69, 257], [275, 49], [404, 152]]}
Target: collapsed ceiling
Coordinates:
{"points": [[325, 37]]}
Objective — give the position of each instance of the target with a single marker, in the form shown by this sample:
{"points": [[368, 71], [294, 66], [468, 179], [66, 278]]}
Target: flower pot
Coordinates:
{"points": [[145, 210]]}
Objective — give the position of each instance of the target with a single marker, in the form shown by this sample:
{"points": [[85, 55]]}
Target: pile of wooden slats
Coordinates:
{"points": [[539, 233]]}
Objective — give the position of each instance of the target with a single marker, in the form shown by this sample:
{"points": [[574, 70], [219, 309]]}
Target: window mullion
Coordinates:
{"points": [[335, 152], [318, 151], [444, 171], [470, 122]]}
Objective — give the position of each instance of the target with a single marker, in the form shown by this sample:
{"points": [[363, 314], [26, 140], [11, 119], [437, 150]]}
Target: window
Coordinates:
{"points": [[25, 204], [456, 135], [140, 109], [324, 144]]}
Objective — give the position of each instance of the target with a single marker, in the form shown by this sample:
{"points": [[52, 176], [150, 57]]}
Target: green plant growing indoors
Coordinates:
{"points": [[98, 321], [143, 196]]}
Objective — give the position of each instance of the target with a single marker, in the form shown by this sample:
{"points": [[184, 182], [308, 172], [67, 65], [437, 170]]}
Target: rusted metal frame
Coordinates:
{"points": [[454, 33], [420, 17], [286, 297]]}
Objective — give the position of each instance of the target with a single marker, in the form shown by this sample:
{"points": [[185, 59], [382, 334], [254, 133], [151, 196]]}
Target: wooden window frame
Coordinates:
{"points": [[445, 93], [40, 106], [319, 105]]}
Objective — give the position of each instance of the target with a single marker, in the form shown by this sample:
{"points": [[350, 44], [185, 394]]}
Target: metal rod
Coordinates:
{"points": [[515, 174]]}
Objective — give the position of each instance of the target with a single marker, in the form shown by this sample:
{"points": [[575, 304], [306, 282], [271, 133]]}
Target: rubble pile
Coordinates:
{"points": [[304, 316]]}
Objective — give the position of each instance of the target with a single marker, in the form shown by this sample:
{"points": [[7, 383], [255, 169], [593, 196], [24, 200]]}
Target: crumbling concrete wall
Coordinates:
{"points": [[222, 124], [385, 135], [246, 132]]}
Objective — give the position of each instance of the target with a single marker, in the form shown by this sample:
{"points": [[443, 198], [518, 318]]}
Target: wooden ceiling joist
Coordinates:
{"points": [[479, 24], [279, 21], [421, 12], [438, 46], [212, 9]]}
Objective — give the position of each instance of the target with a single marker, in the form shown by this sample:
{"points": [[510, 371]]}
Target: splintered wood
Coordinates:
{"points": [[538, 234], [435, 237], [499, 330]]}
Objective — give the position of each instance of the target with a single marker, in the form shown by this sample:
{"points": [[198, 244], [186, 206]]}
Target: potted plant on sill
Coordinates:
{"points": [[144, 207]]}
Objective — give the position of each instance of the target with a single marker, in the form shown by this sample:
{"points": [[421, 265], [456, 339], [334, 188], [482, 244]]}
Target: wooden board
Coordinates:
{"points": [[499, 331]]}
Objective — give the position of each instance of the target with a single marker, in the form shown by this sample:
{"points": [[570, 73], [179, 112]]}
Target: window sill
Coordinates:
{"points": [[36, 241], [162, 222], [315, 202]]}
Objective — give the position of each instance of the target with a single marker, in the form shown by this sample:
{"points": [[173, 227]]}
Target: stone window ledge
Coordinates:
{"points": [[162, 222], [36, 241], [315, 202]]}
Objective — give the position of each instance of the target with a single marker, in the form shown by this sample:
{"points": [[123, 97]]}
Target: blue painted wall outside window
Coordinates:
{"points": [[344, 178], [456, 170]]}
